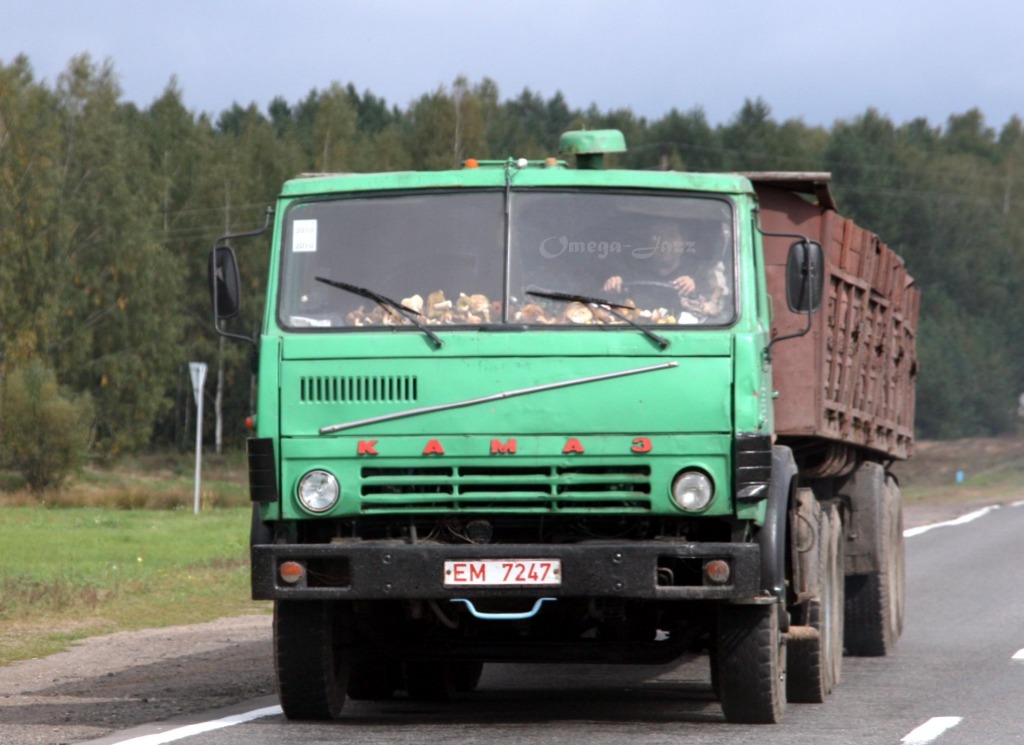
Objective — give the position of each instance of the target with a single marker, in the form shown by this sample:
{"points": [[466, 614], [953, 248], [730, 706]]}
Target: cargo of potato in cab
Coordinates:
{"points": [[519, 411]]}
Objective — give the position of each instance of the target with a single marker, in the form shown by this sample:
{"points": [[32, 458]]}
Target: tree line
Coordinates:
{"points": [[108, 210]]}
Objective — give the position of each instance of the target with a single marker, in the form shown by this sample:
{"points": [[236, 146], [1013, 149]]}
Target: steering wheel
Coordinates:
{"points": [[652, 294]]}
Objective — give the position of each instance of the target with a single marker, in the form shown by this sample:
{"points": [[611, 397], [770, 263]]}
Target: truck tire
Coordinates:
{"points": [[373, 677], [311, 658], [836, 621], [751, 664], [814, 658], [875, 600]]}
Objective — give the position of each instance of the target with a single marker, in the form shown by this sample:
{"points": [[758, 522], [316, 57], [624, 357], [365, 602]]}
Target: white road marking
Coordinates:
{"points": [[930, 730], [1019, 655], [200, 727], [970, 516]]}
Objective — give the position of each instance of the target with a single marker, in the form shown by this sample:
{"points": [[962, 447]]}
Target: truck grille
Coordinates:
{"points": [[619, 489], [333, 389]]}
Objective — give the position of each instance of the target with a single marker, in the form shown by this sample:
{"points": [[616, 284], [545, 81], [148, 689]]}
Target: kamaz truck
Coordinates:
{"points": [[550, 411]]}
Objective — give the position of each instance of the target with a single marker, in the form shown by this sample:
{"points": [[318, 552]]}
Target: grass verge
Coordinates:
{"points": [[66, 574], [991, 470], [120, 549]]}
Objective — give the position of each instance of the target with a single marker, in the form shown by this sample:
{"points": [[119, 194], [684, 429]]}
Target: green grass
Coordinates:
{"points": [[993, 471], [119, 548], [70, 573]]}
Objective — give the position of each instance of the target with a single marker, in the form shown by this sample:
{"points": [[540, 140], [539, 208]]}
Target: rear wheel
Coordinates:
{"points": [[875, 601], [835, 623], [312, 658], [751, 664], [815, 657]]}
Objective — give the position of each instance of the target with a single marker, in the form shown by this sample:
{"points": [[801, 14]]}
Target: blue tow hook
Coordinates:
{"points": [[504, 616]]}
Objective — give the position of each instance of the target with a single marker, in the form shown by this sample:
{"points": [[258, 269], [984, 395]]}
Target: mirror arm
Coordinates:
{"points": [[803, 332], [757, 226], [268, 218], [267, 221], [810, 315]]}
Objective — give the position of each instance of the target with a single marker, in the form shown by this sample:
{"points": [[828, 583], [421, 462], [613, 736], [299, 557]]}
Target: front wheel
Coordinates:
{"points": [[311, 657], [751, 657]]}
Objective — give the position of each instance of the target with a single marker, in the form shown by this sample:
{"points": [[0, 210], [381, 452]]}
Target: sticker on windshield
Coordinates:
{"points": [[304, 236]]}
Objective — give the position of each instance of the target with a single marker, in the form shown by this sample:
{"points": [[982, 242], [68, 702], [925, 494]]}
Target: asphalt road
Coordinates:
{"points": [[952, 681]]}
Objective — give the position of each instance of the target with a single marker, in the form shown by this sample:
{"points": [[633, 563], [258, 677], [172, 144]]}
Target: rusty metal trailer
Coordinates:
{"points": [[845, 389]]}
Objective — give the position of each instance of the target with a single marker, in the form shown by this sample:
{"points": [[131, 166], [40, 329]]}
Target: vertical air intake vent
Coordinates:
{"points": [[343, 389]]}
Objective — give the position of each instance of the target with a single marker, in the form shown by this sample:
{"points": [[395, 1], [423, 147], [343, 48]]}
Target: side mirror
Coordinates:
{"points": [[225, 288], [805, 276]]}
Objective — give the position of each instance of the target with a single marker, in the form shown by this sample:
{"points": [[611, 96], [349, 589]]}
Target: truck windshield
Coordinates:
{"points": [[452, 257]]}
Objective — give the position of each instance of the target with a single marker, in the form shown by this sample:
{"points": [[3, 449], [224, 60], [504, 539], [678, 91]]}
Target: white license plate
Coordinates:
{"points": [[502, 572]]}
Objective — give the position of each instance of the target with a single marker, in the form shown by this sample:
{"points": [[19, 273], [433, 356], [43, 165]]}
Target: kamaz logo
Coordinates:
{"points": [[433, 446]]}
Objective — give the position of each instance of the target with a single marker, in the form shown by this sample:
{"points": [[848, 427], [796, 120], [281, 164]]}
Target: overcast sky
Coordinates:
{"points": [[815, 61]]}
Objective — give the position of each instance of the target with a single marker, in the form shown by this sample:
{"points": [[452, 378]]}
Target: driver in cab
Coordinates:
{"points": [[669, 260], [665, 259]]}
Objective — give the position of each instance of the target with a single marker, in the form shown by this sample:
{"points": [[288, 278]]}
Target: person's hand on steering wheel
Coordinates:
{"points": [[613, 284], [684, 284]]}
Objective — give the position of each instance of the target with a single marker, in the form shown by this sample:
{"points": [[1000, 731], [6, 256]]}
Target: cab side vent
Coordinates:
{"points": [[342, 389]]}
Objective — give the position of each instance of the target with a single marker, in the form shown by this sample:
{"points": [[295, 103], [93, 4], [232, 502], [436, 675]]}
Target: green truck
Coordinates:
{"points": [[539, 411]]}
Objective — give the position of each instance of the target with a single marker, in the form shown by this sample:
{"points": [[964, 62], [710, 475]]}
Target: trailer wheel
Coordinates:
{"points": [[751, 664], [814, 658], [875, 600], [311, 657]]}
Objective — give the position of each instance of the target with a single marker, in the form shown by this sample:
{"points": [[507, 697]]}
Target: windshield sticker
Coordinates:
{"points": [[304, 236]]}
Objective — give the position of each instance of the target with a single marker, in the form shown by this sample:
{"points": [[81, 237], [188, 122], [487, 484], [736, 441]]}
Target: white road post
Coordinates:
{"points": [[198, 372]]}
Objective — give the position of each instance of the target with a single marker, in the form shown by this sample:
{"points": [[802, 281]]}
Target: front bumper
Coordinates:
{"points": [[375, 570]]}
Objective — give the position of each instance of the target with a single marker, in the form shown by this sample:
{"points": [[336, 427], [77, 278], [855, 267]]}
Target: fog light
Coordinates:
{"points": [[318, 491], [692, 491], [479, 531], [291, 572], [717, 571]]}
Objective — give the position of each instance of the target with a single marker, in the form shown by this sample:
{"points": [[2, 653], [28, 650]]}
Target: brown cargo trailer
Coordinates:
{"points": [[848, 385]]}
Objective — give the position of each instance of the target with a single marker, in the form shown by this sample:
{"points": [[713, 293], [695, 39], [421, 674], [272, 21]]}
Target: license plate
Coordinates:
{"points": [[503, 572]]}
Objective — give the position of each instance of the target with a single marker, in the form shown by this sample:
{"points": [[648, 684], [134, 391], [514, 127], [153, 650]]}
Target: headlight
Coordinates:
{"points": [[318, 491], [692, 491]]}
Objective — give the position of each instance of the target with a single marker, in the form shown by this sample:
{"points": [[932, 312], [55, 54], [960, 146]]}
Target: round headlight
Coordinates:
{"points": [[692, 491], [318, 491]]}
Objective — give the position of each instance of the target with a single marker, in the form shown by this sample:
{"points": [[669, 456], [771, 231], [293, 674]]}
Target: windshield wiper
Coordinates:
{"points": [[661, 341], [387, 302]]}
